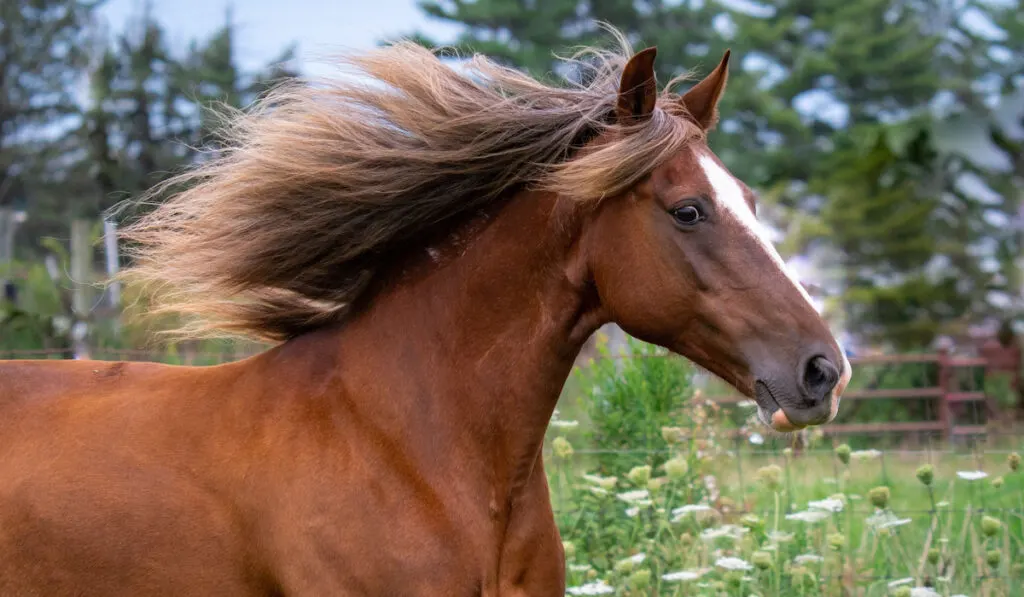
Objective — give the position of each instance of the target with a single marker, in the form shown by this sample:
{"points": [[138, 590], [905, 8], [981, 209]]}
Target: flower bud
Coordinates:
{"points": [[990, 526], [993, 557], [925, 474], [879, 496], [770, 476], [762, 559], [562, 447], [640, 580], [639, 475], [843, 453], [676, 468]]}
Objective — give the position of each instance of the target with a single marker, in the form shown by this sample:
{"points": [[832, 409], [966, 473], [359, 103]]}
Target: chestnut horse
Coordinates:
{"points": [[429, 250]]}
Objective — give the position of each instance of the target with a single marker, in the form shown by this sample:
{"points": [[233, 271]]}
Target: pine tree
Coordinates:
{"points": [[829, 114], [43, 54]]}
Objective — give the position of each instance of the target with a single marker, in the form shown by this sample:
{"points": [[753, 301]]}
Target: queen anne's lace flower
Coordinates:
{"points": [[729, 530], [733, 564], [682, 575], [971, 475], [886, 520], [564, 424], [827, 504], [638, 496], [865, 454], [808, 516]]}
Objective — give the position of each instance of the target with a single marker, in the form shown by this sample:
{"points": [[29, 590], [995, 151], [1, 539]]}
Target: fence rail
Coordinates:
{"points": [[943, 396]]}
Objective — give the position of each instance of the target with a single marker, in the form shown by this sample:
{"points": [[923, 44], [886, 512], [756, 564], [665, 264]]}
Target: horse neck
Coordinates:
{"points": [[484, 330]]}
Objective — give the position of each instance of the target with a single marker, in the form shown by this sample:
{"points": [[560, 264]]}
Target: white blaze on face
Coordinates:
{"points": [[729, 196]]}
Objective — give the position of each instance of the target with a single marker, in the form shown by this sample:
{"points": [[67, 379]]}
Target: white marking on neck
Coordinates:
{"points": [[729, 195]]}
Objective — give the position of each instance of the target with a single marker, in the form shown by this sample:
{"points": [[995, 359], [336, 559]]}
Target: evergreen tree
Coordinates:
{"points": [[831, 114], [43, 55]]}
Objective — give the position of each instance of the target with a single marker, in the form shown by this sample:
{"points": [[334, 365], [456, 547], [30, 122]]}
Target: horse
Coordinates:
{"points": [[426, 247]]}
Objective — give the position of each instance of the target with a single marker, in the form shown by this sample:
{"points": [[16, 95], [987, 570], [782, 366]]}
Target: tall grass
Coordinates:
{"points": [[693, 513]]}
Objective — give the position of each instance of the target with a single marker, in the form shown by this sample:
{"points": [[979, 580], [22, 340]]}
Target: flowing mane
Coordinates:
{"points": [[322, 183]]}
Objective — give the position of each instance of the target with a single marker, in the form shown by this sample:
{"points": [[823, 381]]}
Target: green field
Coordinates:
{"points": [[654, 494]]}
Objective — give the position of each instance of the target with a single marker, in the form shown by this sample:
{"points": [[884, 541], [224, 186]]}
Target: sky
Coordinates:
{"points": [[267, 27]]}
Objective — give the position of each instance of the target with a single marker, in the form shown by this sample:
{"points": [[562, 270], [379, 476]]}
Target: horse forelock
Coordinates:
{"points": [[285, 228]]}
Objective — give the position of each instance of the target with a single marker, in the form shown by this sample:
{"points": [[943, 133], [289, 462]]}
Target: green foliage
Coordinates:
{"points": [[629, 398], [807, 529]]}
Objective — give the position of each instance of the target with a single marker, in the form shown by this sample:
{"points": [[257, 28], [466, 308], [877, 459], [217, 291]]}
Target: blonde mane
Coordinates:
{"points": [[281, 231]]}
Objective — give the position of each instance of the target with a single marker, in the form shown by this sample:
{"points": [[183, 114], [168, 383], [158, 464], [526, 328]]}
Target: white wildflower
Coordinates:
{"points": [[900, 582], [924, 592], [808, 558], [637, 496], [632, 512], [746, 404], [598, 491], [636, 559], [606, 483], [730, 531], [565, 424], [780, 537], [808, 516], [971, 475], [682, 575], [579, 567], [594, 588], [898, 522], [827, 504], [865, 454], [756, 438], [884, 519], [733, 564], [690, 508]]}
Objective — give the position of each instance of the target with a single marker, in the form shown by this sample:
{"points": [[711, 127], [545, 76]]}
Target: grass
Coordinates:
{"points": [[749, 532]]}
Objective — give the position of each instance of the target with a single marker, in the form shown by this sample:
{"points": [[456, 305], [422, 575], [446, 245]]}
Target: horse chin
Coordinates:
{"points": [[770, 412]]}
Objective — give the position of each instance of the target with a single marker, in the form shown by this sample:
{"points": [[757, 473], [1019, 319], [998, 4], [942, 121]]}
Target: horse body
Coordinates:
{"points": [[352, 461], [432, 261]]}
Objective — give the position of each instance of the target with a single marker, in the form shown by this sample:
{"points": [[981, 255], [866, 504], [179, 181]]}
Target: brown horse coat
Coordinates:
{"points": [[395, 449]]}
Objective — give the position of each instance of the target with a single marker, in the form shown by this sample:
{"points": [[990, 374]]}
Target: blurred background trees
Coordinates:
{"points": [[886, 138], [885, 134]]}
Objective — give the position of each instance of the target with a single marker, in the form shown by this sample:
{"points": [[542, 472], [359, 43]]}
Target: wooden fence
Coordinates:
{"points": [[948, 393]]}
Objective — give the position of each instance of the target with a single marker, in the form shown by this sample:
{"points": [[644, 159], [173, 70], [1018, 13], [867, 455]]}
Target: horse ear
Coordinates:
{"points": [[701, 101], [638, 89]]}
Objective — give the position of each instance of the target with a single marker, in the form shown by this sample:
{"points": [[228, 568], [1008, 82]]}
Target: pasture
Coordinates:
{"points": [[696, 509]]}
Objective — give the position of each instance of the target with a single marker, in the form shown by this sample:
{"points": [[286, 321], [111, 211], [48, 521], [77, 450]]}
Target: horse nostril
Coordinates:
{"points": [[819, 377]]}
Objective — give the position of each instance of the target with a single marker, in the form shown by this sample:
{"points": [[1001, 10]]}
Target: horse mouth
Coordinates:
{"points": [[770, 412]]}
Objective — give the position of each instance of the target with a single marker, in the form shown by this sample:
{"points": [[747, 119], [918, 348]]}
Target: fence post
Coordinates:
{"points": [[944, 372]]}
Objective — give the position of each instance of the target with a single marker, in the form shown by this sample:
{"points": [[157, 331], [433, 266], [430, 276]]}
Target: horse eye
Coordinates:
{"points": [[688, 215]]}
